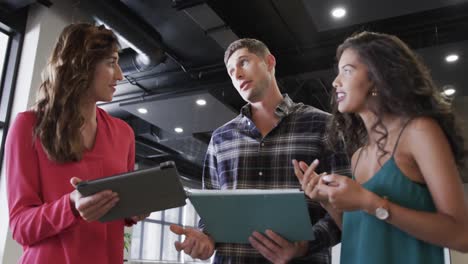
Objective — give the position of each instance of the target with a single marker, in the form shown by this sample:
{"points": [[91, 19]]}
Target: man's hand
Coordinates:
{"points": [[92, 207], [196, 243], [277, 249]]}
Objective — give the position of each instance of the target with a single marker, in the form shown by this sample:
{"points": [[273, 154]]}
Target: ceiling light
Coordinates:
{"points": [[338, 12], [201, 102], [178, 130], [448, 90], [142, 110], [451, 58]]}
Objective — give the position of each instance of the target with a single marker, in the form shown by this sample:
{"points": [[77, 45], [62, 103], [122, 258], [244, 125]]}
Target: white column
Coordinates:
{"points": [[42, 29]]}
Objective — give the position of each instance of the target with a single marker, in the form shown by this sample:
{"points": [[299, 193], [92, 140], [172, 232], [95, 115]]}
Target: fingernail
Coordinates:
{"points": [[315, 161], [326, 178]]}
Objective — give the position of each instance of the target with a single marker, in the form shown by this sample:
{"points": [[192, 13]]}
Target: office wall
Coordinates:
{"points": [[43, 27]]}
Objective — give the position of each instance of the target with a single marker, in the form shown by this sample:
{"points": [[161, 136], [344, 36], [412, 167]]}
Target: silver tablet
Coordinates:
{"points": [[140, 192]]}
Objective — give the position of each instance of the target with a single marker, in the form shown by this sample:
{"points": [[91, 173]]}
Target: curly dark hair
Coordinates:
{"points": [[66, 80], [404, 88]]}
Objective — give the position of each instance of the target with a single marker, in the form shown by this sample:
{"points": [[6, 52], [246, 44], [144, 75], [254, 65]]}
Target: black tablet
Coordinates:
{"points": [[140, 192]]}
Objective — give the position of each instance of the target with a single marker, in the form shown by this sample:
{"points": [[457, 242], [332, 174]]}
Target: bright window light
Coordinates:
{"points": [[178, 130], [451, 58], [142, 110], [201, 102], [338, 12]]}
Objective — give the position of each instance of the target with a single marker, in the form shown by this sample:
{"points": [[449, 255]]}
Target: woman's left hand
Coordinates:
{"points": [[344, 194]]}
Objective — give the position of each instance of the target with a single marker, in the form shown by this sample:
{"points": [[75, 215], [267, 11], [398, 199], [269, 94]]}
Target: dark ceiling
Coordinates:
{"points": [[301, 34]]}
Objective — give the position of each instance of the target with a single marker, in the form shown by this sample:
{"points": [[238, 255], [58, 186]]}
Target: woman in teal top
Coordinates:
{"points": [[405, 200]]}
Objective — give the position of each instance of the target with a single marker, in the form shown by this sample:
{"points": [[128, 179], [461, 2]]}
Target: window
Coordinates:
{"points": [[12, 27], [4, 38], [3, 52], [152, 240]]}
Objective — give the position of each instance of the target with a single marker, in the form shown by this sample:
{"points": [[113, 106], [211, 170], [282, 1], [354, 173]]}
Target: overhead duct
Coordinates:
{"points": [[131, 61], [144, 40], [12, 5], [209, 21]]}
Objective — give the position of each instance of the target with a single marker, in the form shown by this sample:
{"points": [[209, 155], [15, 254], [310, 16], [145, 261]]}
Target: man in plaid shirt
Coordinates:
{"points": [[255, 151]]}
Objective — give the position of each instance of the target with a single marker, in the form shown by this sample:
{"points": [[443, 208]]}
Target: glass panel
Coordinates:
{"points": [[151, 241], [190, 216], [155, 215], [197, 219], [169, 252], [3, 51], [172, 215], [188, 259], [136, 241]]}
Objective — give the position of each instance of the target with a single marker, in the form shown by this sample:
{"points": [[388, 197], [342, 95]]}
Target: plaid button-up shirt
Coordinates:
{"points": [[238, 157]]}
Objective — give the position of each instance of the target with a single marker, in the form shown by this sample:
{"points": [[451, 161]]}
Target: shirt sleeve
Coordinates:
{"points": [[210, 168], [335, 159], [31, 219], [210, 174], [326, 232]]}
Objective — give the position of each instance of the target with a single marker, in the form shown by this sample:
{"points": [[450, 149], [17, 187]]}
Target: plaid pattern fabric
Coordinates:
{"points": [[239, 158]]}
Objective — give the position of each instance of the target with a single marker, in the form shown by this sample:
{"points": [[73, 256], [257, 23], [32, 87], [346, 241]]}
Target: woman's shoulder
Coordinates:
{"points": [[28, 114], [423, 122], [22, 127], [421, 131], [420, 127], [26, 118], [114, 123]]}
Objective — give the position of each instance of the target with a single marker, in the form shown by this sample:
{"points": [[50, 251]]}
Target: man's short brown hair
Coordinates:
{"points": [[254, 46]]}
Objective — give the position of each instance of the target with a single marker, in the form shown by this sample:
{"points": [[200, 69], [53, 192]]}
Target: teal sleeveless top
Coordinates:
{"points": [[368, 240]]}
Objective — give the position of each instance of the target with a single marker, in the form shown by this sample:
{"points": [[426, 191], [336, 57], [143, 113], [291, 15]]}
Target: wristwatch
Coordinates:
{"points": [[382, 212]]}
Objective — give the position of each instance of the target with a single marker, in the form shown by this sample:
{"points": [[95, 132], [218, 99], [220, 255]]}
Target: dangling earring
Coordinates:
{"points": [[374, 92]]}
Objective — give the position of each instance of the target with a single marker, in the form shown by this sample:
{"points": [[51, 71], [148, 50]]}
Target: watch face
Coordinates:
{"points": [[381, 213]]}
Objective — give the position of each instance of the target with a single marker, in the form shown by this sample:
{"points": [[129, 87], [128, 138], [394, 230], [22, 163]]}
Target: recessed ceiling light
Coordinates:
{"points": [[451, 58], [142, 110], [449, 90], [178, 130], [201, 102], [338, 12]]}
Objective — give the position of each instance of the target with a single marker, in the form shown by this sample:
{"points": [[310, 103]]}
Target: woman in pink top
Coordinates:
{"points": [[65, 139]]}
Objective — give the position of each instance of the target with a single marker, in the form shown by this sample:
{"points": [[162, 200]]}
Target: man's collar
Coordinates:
{"points": [[284, 108]]}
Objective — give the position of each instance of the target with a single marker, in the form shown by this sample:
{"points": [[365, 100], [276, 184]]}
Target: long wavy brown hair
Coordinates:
{"points": [[404, 88], [65, 87]]}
